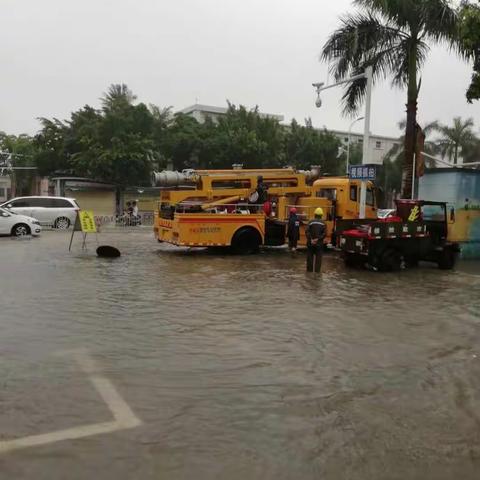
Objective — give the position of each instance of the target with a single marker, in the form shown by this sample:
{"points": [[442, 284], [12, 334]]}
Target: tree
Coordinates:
{"points": [[305, 146], [114, 144], [398, 150], [20, 150], [393, 37], [469, 36], [244, 137], [456, 138], [51, 155], [181, 142], [117, 96]]}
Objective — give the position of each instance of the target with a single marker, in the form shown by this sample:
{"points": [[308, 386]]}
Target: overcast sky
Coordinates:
{"points": [[58, 55]]}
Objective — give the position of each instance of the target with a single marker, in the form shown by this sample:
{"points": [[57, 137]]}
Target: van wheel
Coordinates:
{"points": [[247, 240], [20, 230], [62, 223]]}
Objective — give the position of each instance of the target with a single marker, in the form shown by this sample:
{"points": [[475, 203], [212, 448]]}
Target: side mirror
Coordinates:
{"points": [[5, 214], [9, 205]]}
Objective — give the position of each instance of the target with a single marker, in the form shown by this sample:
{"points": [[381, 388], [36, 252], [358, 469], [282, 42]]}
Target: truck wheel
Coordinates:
{"points": [[246, 240], [447, 259], [391, 260], [351, 260]]}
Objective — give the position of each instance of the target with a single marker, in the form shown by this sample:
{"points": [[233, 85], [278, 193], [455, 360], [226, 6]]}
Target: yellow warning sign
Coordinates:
{"points": [[414, 214], [87, 222]]}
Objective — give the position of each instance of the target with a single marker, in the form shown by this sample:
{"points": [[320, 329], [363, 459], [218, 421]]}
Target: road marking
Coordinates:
{"points": [[123, 415]]}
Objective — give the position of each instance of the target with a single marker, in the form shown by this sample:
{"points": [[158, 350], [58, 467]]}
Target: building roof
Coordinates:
{"points": [[221, 111], [372, 135]]}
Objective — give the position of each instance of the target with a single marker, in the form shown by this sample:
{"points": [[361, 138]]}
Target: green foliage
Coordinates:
{"points": [[469, 34], [181, 142], [21, 151], [393, 37], [456, 138], [114, 144], [122, 142], [242, 136], [305, 146]]}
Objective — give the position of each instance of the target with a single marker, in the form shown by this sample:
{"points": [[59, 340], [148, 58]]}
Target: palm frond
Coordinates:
{"points": [[438, 21], [361, 41], [400, 12]]}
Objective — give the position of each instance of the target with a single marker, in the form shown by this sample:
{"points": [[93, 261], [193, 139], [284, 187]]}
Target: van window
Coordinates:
{"points": [[370, 197], [21, 202], [353, 193], [39, 202], [59, 203]]}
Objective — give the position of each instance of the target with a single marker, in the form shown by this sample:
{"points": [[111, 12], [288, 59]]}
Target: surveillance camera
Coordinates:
{"points": [[318, 102]]}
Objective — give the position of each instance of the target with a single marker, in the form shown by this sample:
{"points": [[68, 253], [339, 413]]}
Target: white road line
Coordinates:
{"points": [[123, 415]]}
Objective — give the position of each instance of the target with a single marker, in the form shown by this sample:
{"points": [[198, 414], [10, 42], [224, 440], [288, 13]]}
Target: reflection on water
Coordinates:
{"points": [[239, 367]]}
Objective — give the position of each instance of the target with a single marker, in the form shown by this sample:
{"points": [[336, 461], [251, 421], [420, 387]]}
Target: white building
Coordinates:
{"points": [[379, 144], [202, 112]]}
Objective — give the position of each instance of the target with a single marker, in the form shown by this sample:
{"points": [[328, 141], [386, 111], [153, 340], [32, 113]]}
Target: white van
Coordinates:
{"points": [[58, 212]]}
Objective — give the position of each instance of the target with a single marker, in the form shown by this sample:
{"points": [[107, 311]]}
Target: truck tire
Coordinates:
{"points": [[351, 260], [391, 260], [447, 259], [245, 241]]}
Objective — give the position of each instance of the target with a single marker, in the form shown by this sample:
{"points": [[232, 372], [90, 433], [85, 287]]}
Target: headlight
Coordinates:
{"points": [[35, 222]]}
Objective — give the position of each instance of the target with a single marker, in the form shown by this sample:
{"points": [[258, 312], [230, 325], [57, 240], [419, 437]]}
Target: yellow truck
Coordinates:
{"points": [[217, 208]]}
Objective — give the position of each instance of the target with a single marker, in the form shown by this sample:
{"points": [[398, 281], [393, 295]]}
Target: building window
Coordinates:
{"points": [[360, 140], [2, 192], [345, 139], [378, 144]]}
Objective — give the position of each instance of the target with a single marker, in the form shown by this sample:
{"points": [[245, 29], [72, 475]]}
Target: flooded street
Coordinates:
{"points": [[236, 367]]}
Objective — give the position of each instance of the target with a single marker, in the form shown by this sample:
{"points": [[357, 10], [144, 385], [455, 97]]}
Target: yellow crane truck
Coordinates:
{"points": [[217, 208]]}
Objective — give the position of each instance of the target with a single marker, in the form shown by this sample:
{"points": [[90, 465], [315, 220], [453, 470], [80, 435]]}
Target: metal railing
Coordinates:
{"points": [[222, 209], [143, 218]]}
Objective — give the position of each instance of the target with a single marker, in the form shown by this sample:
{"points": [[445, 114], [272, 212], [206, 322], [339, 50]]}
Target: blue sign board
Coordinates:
{"points": [[362, 172]]}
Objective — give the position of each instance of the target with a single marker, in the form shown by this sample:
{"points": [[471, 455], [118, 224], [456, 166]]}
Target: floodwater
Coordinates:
{"points": [[237, 367]]}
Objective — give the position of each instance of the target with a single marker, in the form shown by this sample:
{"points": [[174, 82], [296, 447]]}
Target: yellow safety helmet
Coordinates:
{"points": [[319, 212]]}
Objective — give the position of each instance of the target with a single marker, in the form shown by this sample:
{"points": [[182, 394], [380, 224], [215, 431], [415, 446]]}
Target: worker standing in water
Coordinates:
{"points": [[293, 230], [315, 233]]}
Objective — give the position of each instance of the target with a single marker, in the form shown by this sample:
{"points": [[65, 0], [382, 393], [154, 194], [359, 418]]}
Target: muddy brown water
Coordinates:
{"points": [[238, 367]]}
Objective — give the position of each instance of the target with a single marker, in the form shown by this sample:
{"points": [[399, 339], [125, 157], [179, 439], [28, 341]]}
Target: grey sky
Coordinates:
{"points": [[58, 55]]}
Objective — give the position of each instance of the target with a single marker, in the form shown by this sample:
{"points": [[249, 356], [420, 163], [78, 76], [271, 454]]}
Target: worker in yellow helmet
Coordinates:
{"points": [[315, 233]]}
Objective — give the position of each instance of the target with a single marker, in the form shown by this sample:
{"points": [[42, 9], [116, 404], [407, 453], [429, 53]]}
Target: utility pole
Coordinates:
{"points": [[368, 75]]}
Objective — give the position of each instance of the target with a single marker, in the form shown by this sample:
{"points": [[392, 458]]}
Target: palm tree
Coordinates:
{"points": [[393, 37], [118, 95], [398, 150], [459, 136]]}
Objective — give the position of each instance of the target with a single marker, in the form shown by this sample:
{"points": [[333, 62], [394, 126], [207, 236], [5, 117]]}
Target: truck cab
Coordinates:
{"points": [[345, 194]]}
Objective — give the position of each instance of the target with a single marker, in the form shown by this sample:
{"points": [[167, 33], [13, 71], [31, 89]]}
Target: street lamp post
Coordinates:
{"points": [[368, 75], [349, 139]]}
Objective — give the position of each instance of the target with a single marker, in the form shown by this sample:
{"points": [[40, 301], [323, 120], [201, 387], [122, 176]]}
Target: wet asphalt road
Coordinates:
{"points": [[237, 367]]}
